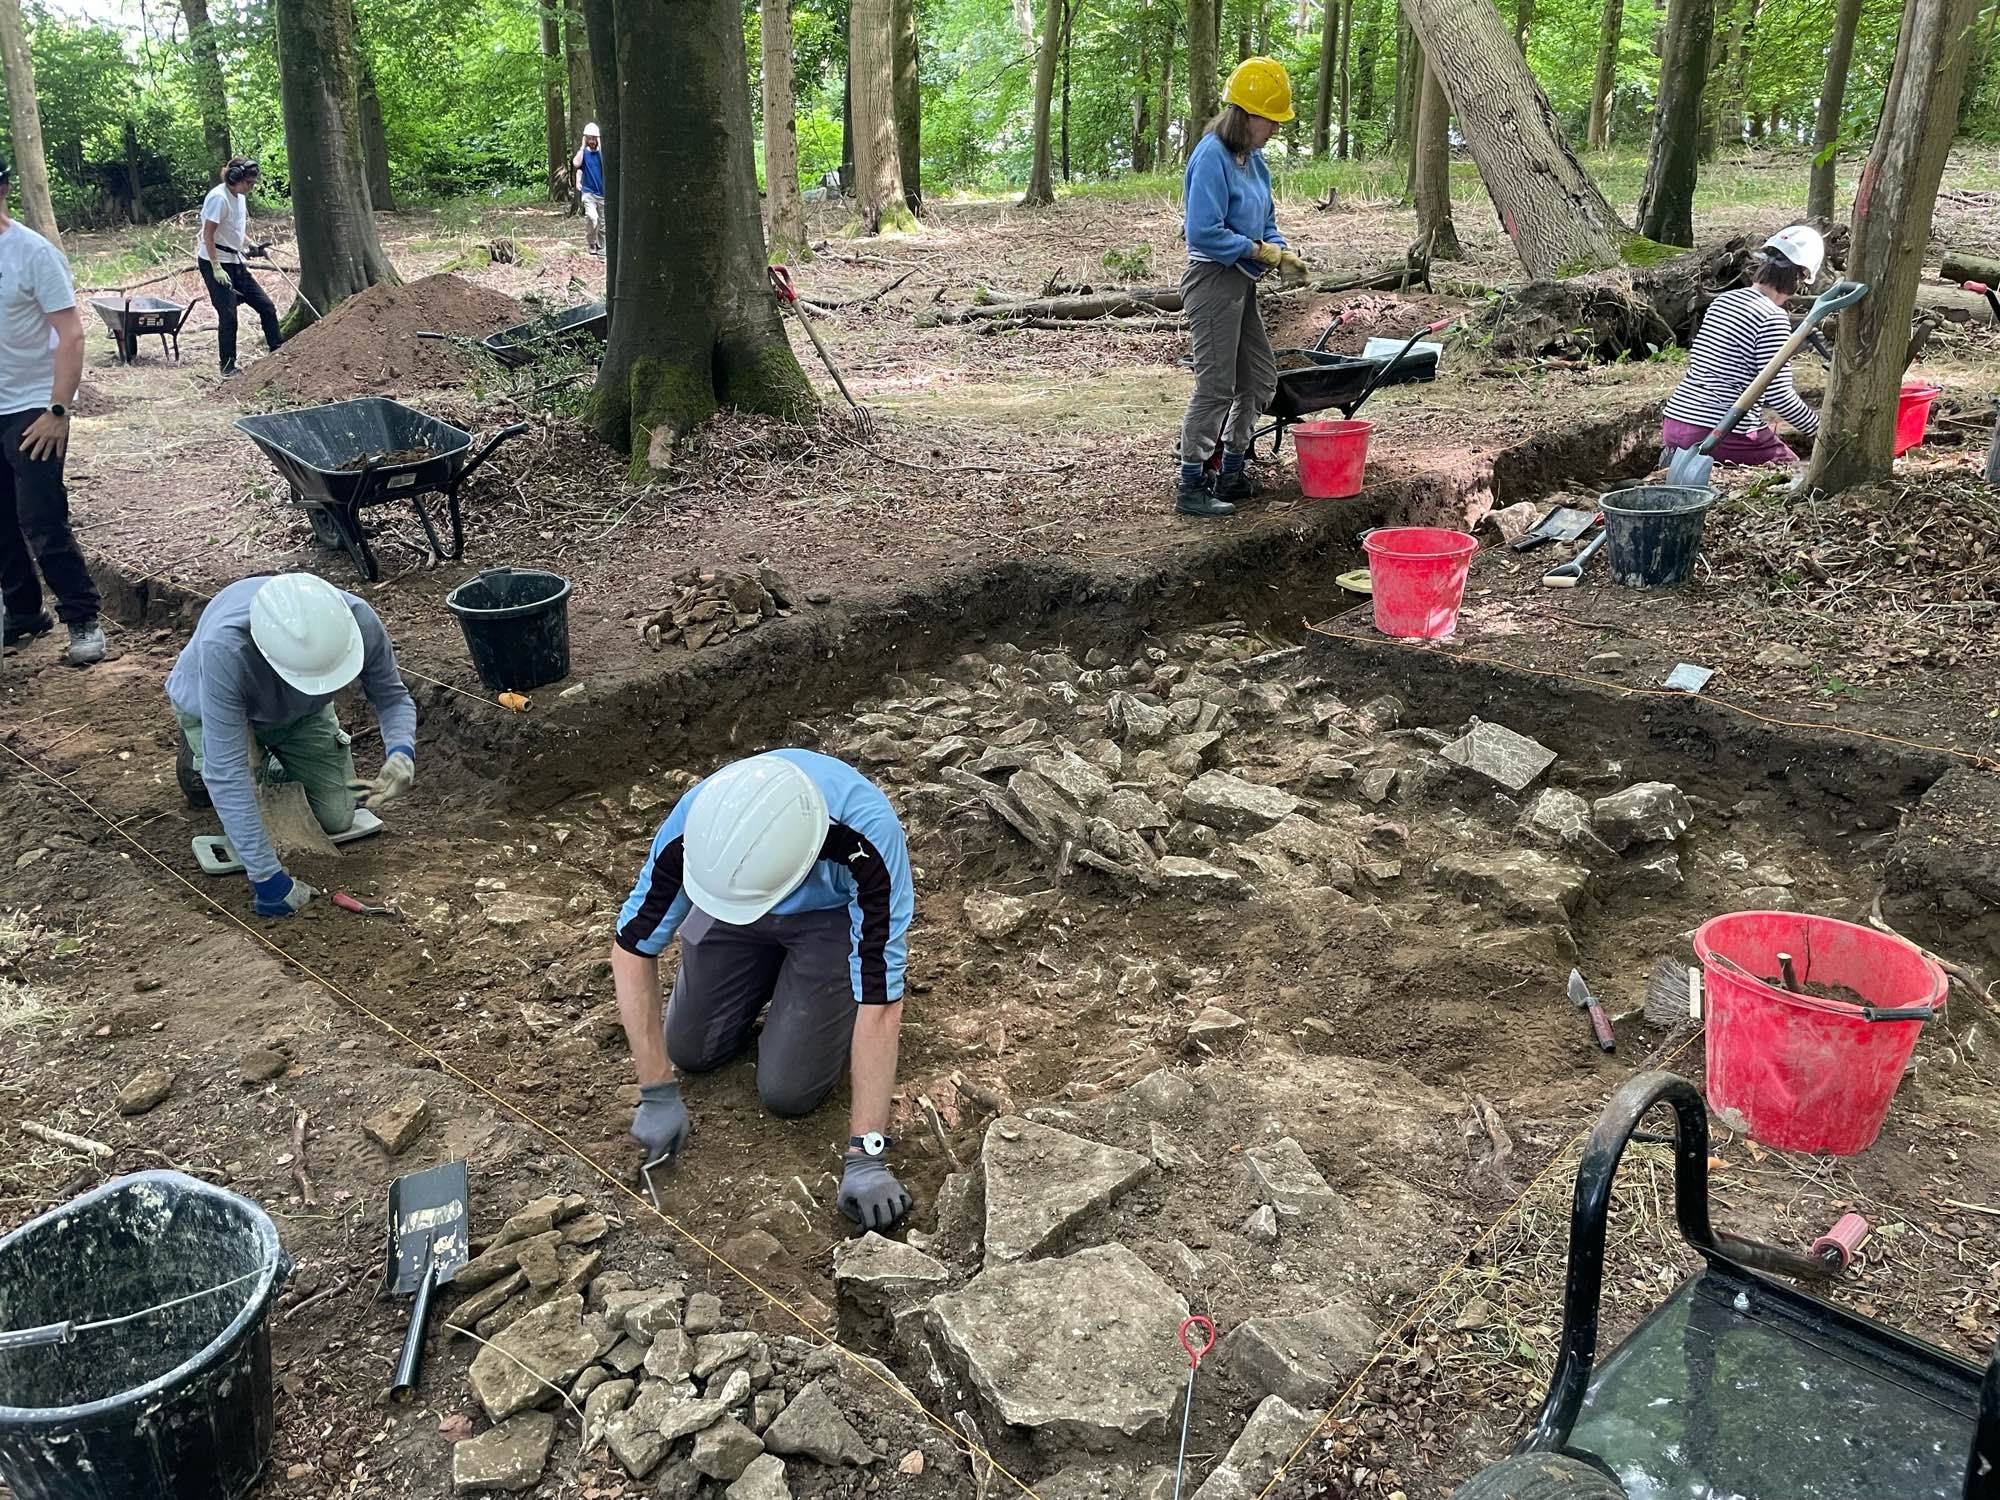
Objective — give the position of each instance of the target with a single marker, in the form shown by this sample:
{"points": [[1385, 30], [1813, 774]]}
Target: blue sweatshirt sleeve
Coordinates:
{"points": [[1206, 189], [868, 843], [1270, 235], [395, 709], [653, 913], [225, 762]]}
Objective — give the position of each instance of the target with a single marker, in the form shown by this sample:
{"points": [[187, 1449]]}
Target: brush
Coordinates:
{"points": [[1673, 993]]}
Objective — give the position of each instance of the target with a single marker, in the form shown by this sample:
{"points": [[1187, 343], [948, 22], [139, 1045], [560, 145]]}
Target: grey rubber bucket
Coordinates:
{"points": [[1652, 532], [173, 1404], [516, 624]]}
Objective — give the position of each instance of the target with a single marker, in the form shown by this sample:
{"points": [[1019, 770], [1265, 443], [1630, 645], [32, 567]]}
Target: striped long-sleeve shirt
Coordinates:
{"points": [[1740, 333], [864, 866]]}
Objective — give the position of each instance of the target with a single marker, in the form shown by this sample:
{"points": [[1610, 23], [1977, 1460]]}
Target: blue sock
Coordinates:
{"points": [[1232, 463], [1190, 475]]}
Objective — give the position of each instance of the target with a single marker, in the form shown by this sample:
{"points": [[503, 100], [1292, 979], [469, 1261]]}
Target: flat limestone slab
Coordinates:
{"points": [[1040, 1181], [1068, 1350]]}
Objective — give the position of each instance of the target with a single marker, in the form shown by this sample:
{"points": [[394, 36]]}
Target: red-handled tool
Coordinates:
{"points": [[362, 909], [1992, 300], [1195, 1357], [1840, 1244], [788, 296], [1401, 354], [1585, 1001]]}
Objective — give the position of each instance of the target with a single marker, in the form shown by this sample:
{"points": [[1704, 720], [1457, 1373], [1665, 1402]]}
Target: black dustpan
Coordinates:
{"points": [[428, 1224]]}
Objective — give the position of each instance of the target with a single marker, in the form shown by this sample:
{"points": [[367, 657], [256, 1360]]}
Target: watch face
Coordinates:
{"points": [[874, 1143]]}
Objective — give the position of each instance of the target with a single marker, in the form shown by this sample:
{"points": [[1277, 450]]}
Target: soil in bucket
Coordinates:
{"points": [[516, 624], [1332, 457], [163, 1386], [1418, 575], [1652, 533], [1806, 1072], [1913, 416]]}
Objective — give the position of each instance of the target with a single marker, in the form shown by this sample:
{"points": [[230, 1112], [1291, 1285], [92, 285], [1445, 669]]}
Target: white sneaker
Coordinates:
{"points": [[86, 644]]}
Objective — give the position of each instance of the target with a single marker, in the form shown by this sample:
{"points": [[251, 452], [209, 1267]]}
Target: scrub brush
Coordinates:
{"points": [[1673, 994]]}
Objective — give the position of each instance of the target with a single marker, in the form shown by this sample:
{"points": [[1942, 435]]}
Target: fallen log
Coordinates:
{"points": [[1961, 267], [1130, 302]]}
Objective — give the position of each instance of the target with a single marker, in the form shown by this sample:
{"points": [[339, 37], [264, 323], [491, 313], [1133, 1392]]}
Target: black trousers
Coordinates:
{"points": [[34, 529], [240, 286]]}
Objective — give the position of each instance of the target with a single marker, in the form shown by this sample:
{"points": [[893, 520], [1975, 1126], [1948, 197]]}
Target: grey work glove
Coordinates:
{"points": [[397, 776], [870, 1194], [660, 1124]]}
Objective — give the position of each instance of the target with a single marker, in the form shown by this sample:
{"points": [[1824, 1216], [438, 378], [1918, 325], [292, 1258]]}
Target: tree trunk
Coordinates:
{"points": [[878, 171], [1346, 77], [1666, 202], [1892, 222], [1142, 103], [374, 139], [600, 31], [693, 321], [909, 105], [135, 184], [1329, 49], [339, 252], [1524, 17], [576, 62], [1432, 191], [785, 211], [1041, 175], [1164, 115], [1204, 16], [1409, 112], [211, 93], [847, 126], [1551, 210], [1606, 79], [1069, 15], [555, 123], [1367, 53], [1740, 112], [31, 167], [1832, 93]]}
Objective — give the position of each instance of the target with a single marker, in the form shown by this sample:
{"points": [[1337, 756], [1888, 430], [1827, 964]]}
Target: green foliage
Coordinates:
{"points": [[1135, 264]]}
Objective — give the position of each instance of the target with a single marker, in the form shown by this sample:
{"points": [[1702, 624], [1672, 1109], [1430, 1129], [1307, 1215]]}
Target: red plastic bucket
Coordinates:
{"points": [[1331, 457], [1796, 1071], [1418, 573], [1913, 416]]}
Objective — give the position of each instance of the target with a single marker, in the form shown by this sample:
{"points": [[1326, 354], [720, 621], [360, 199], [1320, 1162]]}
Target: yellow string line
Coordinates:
{"points": [[958, 1439], [1450, 1275], [1984, 762], [448, 687]]}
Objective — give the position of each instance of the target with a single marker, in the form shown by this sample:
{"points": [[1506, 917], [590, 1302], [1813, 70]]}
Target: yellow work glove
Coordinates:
{"points": [[1267, 255], [1291, 269]]}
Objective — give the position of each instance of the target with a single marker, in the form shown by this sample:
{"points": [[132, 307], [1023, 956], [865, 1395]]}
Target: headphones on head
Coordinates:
{"points": [[237, 171]]}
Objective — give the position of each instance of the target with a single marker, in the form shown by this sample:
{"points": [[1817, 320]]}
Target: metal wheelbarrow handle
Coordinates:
{"points": [[512, 429]]}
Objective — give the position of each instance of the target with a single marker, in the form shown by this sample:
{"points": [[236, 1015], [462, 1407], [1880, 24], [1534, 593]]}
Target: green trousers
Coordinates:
{"points": [[313, 751]]}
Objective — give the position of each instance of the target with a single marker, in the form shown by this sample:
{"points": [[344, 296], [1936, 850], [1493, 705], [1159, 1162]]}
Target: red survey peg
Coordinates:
{"points": [[1195, 1355]]}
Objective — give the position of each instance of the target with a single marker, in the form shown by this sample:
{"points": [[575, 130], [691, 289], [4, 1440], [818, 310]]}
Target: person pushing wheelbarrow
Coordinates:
{"points": [[219, 253], [1233, 240]]}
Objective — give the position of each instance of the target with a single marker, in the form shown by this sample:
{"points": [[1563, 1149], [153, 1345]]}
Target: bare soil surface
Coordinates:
{"points": [[991, 587]]}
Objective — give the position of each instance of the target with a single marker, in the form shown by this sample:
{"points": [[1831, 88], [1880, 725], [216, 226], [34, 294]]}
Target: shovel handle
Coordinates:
{"points": [[1898, 1013], [410, 1363], [1832, 300], [1607, 1041]]}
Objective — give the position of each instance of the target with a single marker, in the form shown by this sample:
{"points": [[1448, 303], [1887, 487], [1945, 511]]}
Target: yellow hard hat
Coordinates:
{"points": [[1259, 86]]}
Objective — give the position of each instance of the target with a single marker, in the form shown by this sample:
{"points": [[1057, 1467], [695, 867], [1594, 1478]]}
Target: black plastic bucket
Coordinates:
{"points": [[1652, 532], [516, 624], [174, 1404]]}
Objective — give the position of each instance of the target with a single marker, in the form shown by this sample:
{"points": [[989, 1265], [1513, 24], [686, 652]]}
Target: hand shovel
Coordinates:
{"points": [[428, 1224], [1692, 466], [1579, 992]]}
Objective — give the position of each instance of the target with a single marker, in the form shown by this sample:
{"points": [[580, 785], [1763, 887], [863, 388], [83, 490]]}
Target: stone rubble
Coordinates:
{"points": [[708, 605], [1040, 1182]]}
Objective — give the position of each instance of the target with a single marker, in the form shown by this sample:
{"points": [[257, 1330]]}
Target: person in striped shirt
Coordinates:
{"points": [[787, 878], [1740, 333]]}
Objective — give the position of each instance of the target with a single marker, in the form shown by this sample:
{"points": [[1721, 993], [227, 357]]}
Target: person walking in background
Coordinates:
{"points": [[589, 164], [1232, 239], [219, 251], [41, 366]]}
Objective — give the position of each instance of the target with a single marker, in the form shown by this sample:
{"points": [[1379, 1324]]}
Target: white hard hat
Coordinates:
{"points": [[1802, 245], [753, 834], [306, 631], [591, 128]]}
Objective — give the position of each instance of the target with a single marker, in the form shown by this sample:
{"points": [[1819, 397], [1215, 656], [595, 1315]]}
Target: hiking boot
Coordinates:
{"points": [[26, 627], [230, 369], [1238, 488], [86, 644], [1198, 500], [192, 786]]}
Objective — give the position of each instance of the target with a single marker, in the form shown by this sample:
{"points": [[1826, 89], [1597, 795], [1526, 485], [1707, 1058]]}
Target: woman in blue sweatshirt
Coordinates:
{"points": [[1233, 239]]}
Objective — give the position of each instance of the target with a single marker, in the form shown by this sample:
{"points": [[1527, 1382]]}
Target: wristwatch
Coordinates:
{"points": [[57, 409], [874, 1143]]}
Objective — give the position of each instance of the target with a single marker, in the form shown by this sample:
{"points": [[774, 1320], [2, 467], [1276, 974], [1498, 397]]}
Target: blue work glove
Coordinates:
{"points": [[870, 1194], [281, 895], [661, 1122]]}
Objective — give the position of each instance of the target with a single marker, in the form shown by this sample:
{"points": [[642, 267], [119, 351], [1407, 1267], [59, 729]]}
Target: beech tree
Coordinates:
{"points": [[785, 211], [1041, 174], [1891, 233], [1432, 190], [576, 64], [871, 68], [909, 102], [1832, 94], [694, 325], [339, 251], [31, 167], [211, 93], [1329, 49], [1558, 220], [1204, 87], [1611, 27], [1666, 202], [555, 124]]}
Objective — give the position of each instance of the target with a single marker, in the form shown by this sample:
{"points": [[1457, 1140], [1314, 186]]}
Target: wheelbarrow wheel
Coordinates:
{"points": [[326, 530], [1539, 1476]]}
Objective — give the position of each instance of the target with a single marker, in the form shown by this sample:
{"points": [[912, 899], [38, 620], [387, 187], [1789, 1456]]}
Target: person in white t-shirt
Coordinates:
{"points": [[41, 366], [220, 252]]}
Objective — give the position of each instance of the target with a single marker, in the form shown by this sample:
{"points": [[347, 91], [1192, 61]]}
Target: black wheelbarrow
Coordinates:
{"points": [[1327, 381], [131, 318], [525, 342], [350, 454], [1738, 1384]]}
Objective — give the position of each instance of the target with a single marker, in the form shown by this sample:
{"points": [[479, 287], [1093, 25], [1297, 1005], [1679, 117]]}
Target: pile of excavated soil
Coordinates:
{"points": [[369, 346]]}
